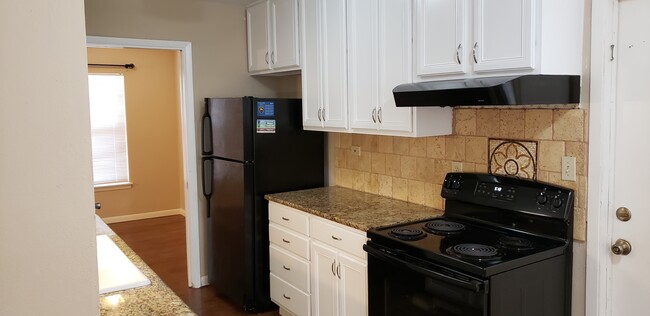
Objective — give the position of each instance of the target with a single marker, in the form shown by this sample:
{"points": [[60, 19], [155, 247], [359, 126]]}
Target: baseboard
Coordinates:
{"points": [[204, 280], [139, 216]]}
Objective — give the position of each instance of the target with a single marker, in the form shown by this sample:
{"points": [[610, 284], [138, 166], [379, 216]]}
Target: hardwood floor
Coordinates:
{"points": [[160, 242]]}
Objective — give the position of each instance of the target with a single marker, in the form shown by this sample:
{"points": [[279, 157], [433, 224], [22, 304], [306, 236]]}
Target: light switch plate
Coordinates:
{"points": [[569, 168]]}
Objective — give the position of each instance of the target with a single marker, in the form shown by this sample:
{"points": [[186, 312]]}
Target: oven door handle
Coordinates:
{"points": [[472, 285]]}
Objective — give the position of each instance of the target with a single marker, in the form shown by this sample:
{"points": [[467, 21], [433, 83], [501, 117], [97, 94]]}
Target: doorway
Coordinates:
{"points": [[616, 284], [188, 140]]}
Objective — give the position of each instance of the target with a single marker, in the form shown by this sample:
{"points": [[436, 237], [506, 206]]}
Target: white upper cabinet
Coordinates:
{"points": [[503, 35], [473, 38], [324, 69], [379, 58], [273, 38], [441, 37]]}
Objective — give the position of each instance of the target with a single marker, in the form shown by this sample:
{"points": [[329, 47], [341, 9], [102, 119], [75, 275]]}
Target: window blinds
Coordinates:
{"points": [[108, 129]]}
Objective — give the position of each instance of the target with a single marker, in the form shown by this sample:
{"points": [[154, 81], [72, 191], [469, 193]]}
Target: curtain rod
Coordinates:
{"points": [[127, 66]]}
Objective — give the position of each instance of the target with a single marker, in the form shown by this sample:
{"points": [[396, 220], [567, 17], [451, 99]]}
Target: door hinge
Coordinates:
{"points": [[611, 50]]}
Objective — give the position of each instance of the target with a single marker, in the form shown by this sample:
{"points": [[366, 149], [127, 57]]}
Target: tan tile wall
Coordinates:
{"points": [[412, 169]]}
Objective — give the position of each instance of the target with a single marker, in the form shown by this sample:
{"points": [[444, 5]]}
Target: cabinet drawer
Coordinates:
{"points": [[346, 239], [288, 217], [289, 268], [289, 240], [289, 297]]}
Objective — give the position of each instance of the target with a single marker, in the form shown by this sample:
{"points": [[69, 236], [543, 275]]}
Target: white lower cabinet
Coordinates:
{"points": [[339, 282], [317, 267]]}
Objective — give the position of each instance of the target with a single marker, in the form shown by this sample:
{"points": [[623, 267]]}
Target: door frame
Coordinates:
{"points": [[602, 115], [192, 218]]}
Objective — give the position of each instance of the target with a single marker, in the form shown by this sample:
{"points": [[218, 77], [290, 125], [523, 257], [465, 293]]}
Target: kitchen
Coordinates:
{"points": [[132, 23]]}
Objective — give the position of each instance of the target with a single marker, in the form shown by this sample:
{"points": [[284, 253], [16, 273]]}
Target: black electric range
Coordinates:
{"points": [[503, 247]]}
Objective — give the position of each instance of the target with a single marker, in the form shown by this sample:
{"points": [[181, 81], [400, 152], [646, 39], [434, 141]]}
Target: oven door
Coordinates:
{"points": [[399, 284]]}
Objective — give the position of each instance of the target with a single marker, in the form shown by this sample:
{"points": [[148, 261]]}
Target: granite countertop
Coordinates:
{"points": [[154, 299], [356, 209]]}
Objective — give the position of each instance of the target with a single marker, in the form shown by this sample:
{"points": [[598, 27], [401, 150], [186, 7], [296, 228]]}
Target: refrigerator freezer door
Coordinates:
{"points": [[231, 122]]}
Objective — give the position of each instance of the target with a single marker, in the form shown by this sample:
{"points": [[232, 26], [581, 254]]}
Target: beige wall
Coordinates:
{"points": [[412, 169], [152, 92], [217, 31], [47, 230]]}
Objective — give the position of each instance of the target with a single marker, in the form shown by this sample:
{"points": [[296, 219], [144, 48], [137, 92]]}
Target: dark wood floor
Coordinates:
{"points": [[160, 242]]}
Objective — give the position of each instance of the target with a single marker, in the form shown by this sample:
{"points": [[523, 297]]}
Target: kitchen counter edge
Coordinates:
{"points": [[352, 208]]}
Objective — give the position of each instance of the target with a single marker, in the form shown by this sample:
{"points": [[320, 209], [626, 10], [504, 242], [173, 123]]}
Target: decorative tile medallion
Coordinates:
{"points": [[516, 158]]}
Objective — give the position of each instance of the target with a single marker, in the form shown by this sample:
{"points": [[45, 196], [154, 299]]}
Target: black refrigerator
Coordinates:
{"points": [[251, 147]]}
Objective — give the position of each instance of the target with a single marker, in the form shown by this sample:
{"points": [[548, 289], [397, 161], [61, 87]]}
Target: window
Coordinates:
{"points": [[108, 129]]}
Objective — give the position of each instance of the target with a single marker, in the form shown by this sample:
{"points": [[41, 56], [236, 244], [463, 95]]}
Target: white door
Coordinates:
{"points": [[503, 35], [324, 283], [334, 63], [284, 52], [440, 32], [395, 63], [353, 286], [257, 27], [311, 65], [362, 63], [630, 282]]}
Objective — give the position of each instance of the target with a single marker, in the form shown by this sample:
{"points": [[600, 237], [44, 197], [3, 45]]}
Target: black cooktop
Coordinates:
{"points": [[473, 248]]}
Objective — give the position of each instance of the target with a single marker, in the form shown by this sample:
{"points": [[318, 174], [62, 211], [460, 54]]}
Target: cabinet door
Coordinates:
{"points": [[394, 62], [311, 60], [334, 66], [440, 37], [353, 286], [257, 28], [324, 282], [503, 35], [363, 63], [284, 34]]}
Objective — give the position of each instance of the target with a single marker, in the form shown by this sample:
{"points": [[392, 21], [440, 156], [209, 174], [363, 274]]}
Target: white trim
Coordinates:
{"points": [[204, 280], [139, 216], [113, 186], [601, 109], [192, 222]]}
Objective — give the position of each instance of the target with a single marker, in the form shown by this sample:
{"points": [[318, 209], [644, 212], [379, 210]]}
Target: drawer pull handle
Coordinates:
{"points": [[287, 241], [285, 267], [285, 296], [284, 218], [333, 271], [336, 238]]}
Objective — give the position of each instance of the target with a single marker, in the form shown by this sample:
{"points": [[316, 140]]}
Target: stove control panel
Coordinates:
{"points": [[515, 194]]}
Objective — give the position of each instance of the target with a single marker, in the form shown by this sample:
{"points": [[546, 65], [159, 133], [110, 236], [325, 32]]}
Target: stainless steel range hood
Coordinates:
{"points": [[491, 91]]}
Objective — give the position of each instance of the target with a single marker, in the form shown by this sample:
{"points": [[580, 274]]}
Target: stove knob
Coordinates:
{"points": [[557, 201], [446, 184], [455, 184], [542, 198]]}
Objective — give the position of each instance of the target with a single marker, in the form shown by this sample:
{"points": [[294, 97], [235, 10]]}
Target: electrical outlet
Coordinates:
{"points": [[356, 150], [569, 168], [456, 166]]}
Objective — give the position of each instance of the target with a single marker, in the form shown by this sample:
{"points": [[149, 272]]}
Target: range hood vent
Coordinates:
{"points": [[491, 91]]}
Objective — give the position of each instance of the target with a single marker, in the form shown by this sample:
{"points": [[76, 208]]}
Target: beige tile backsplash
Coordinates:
{"points": [[412, 169]]}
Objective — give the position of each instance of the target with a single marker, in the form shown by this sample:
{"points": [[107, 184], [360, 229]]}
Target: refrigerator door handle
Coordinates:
{"points": [[206, 136], [208, 165]]}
